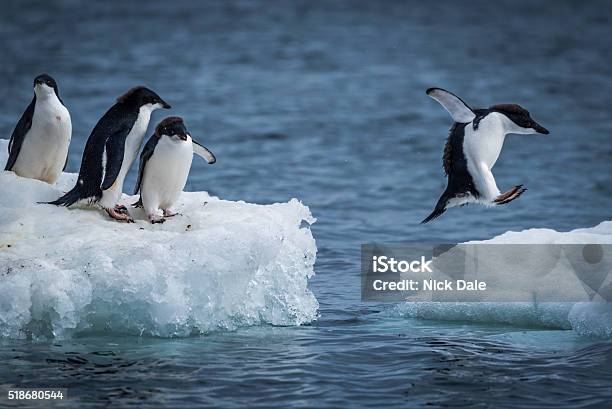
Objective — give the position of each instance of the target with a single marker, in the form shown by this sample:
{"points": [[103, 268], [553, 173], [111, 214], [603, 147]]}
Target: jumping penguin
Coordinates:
{"points": [[164, 166], [38, 148], [110, 151], [475, 142]]}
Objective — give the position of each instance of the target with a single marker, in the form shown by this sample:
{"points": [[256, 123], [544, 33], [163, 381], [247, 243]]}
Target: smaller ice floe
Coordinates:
{"points": [[586, 318], [218, 265]]}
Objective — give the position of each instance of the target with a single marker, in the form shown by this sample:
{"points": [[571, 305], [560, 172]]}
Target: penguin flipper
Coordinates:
{"points": [[18, 135], [459, 110], [203, 152], [146, 154], [114, 148]]}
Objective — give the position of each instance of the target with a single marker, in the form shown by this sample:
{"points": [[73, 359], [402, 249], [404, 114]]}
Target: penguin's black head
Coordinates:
{"points": [[520, 117], [173, 127], [45, 82], [142, 96]]}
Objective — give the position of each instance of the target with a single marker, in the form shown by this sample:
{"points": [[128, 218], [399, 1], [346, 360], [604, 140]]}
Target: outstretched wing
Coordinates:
{"points": [[19, 133], [113, 150], [203, 152], [459, 110], [146, 154]]}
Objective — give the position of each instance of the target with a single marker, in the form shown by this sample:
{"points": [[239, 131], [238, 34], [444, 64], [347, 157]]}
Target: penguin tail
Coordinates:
{"points": [[437, 212], [69, 198]]}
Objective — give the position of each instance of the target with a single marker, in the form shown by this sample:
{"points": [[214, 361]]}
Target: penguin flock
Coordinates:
{"points": [[38, 149]]}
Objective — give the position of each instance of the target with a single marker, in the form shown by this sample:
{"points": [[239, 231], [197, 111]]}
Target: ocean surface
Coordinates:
{"points": [[325, 102]]}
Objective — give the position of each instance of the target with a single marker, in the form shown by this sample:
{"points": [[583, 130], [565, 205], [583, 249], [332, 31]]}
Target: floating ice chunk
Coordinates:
{"points": [[592, 319], [586, 318], [219, 265]]}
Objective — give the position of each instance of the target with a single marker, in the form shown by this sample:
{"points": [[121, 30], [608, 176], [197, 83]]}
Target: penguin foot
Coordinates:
{"points": [[120, 216], [121, 209], [168, 213], [510, 195], [158, 221]]}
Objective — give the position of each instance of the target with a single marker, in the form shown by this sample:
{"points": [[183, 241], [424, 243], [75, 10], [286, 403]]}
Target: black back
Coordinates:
{"points": [[111, 129], [21, 129], [459, 179], [110, 132]]}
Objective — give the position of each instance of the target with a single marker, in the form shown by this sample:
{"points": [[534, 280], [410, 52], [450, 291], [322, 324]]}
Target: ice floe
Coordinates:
{"points": [[586, 318], [218, 265]]}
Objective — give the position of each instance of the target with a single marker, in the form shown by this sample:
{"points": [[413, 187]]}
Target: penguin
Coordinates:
{"points": [[110, 151], [38, 148], [475, 142], [165, 162]]}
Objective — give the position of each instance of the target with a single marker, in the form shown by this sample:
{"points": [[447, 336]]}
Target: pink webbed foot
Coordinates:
{"points": [[121, 209], [510, 195], [120, 215]]}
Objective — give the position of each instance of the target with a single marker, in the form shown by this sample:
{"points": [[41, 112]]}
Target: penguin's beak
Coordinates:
{"points": [[165, 105], [540, 129]]}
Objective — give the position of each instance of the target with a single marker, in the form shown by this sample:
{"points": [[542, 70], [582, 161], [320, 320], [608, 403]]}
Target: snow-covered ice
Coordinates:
{"points": [[586, 318], [219, 265]]}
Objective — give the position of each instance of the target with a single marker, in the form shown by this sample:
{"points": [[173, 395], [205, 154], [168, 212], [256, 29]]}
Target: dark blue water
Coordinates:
{"points": [[325, 102]]}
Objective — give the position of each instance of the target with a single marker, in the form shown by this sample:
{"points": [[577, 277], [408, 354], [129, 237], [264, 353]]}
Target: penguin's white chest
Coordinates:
{"points": [[165, 174], [133, 142], [483, 145], [481, 148], [45, 146]]}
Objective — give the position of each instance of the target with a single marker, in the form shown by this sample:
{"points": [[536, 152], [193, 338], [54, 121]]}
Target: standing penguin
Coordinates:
{"points": [[111, 150], [38, 148], [164, 166], [475, 142]]}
